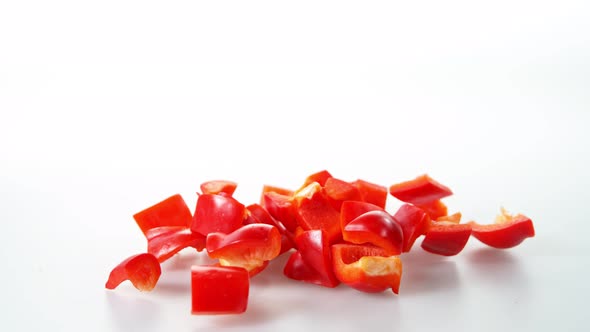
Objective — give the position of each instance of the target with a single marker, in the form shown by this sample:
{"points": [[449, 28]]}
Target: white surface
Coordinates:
{"points": [[107, 108]]}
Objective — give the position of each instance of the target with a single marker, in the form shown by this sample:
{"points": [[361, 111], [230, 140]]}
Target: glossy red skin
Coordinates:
{"points": [[297, 269], [446, 239], [419, 191], [172, 211], [281, 208], [219, 290], [378, 228], [317, 213], [504, 235], [165, 242], [320, 177], [414, 222], [345, 254], [350, 210], [316, 253], [371, 192], [248, 247], [435, 209], [142, 270], [339, 191], [258, 214], [218, 186], [217, 213]]}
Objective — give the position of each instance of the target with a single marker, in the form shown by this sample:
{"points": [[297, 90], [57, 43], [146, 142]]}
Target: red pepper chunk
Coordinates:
{"points": [[219, 186], [165, 242], [350, 210], [508, 231], [248, 247], [371, 192], [314, 211], [446, 238], [320, 177], [142, 270], [172, 211], [435, 209], [258, 214], [219, 290], [414, 222], [217, 213], [281, 208], [420, 191], [378, 228], [366, 268], [339, 191], [315, 262]]}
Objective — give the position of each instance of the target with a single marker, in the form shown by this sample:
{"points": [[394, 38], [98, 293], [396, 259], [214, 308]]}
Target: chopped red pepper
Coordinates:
{"points": [[219, 186], [314, 211], [420, 191], [170, 212], [258, 214], [313, 262], [219, 290], [446, 238], [454, 218], [371, 192], [164, 242], [435, 209], [142, 270], [248, 247], [217, 213], [279, 190], [366, 268], [378, 228], [339, 191], [350, 210], [508, 231], [281, 208], [320, 177], [414, 222]]}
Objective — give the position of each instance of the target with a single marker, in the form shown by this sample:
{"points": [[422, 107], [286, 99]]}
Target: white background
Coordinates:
{"points": [[107, 107]]}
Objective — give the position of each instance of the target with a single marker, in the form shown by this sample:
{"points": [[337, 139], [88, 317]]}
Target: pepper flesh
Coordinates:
{"points": [[435, 209], [316, 255], [508, 231], [314, 211], [217, 213], [165, 242], [172, 211], [219, 290], [371, 192], [446, 238], [414, 222], [219, 186], [419, 191], [378, 228], [143, 270]]}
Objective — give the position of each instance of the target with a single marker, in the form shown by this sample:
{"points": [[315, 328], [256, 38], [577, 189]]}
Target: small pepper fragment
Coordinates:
{"points": [[414, 222], [258, 214], [165, 242], [371, 192], [446, 238], [219, 290], [339, 191], [219, 186], [281, 208], [143, 270], [419, 191], [350, 210], [313, 261], [249, 247], [366, 268], [378, 228], [508, 231], [172, 211], [217, 213], [314, 211], [435, 209], [320, 177]]}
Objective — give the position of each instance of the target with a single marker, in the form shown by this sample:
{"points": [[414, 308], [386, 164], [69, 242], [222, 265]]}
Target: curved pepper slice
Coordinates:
{"points": [[378, 228], [165, 242], [217, 213], [219, 290], [508, 231], [248, 247], [313, 262], [435, 209], [258, 214], [414, 222], [446, 238], [142, 270], [366, 268], [419, 191], [281, 208], [219, 186], [350, 210], [371, 192], [170, 212]]}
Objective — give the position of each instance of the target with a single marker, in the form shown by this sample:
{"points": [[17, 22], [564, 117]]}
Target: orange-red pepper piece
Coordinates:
{"points": [[372, 193], [219, 290], [446, 238], [419, 191], [172, 211], [142, 270], [414, 222], [165, 242], [219, 186], [508, 231]]}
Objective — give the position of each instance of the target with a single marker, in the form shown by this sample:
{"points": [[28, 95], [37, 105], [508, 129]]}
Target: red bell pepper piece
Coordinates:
{"points": [[420, 191], [142, 270], [453, 218], [279, 190], [314, 211], [219, 290], [371, 192], [219, 186], [281, 208], [339, 191], [217, 213], [366, 268], [258, 214], [378, 228], [508, 231], [435, 209], [350, 210], [414, 222], [320, 177], [446, 238], [165, 242], [170, 212], [248, 247], [315, 262]]}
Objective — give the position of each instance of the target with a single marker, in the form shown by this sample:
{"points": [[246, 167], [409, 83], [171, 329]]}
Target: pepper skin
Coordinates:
{"points": [[172, 211], [508, 231], [419, 191], [446, 238], [219, 290], [315, 262], [219, 186], [217, 213], [414, 222], [165, 242], [142, 270], [378, 228]]}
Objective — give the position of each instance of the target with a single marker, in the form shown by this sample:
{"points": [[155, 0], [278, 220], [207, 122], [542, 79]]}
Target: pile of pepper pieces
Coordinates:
{"points": [[334, 231]]}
